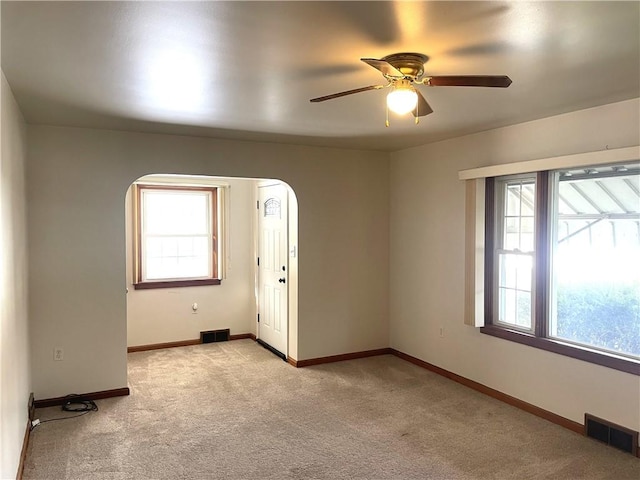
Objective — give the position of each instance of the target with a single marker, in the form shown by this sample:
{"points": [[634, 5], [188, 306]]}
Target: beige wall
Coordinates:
{"points": [[427, 265], [165, 315], [15, 374], [77, 179]]}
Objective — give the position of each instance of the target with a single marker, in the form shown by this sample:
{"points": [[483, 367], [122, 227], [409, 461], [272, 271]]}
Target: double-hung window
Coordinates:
{"points": [[562, 262], [177, 236], [514, 252]]}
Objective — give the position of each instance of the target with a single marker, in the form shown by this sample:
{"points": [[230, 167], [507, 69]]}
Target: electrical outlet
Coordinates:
{"points": [[58, 354]]}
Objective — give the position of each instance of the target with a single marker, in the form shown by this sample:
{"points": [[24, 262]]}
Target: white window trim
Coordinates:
{"points": [[602, 157], [474, 252]]}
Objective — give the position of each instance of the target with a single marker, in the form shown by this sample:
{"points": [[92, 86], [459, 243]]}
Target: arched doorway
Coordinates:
{"points": [[176, 315]]}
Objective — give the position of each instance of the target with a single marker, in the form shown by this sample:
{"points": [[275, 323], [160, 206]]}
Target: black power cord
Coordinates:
{"points": [[72, 403], [76, 403]]}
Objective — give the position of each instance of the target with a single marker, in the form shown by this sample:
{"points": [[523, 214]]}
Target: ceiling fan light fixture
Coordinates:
{"points": [[403, 71], [402, 98]]}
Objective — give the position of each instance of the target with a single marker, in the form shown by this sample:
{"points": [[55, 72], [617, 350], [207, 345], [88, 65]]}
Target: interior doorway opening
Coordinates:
{"points": [[174, 313], [273, 266]]}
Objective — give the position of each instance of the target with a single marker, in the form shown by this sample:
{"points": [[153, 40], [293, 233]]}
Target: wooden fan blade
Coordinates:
{"points": [[501, 81], [348, 92], [423, 108], [385, 67]]}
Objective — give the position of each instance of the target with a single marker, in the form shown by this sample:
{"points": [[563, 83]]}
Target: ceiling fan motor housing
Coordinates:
{"points": [[409, 64]]}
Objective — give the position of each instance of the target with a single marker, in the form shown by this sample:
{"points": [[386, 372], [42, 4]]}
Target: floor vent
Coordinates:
{"points": [[212, 336], [619, 437]]}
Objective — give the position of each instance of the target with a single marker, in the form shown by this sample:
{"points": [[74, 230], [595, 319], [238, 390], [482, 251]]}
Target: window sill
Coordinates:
{"points": [[176, 283], [586, 354]]}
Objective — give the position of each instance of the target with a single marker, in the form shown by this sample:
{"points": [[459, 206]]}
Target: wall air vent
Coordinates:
{"points": [[212, 336], [619, 437]]}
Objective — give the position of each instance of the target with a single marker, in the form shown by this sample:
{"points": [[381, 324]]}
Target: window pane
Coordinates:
{"points": [[526, 234], [523, 309], [507, 306], [513, 200], [518, 215], [595, 297], [528, 194], [175, 212], [177, 257], [507, 271], [514, 289]]}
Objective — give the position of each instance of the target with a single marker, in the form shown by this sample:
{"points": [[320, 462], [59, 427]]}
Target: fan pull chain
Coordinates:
{"points": [[386, 122], [417, 113]]}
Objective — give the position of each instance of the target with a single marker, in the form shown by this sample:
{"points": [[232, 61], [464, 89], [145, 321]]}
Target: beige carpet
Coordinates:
{"points": [[233, 410]]}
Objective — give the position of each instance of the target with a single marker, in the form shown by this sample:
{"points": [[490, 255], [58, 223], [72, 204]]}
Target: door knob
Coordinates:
{"points": [[282, 280]]}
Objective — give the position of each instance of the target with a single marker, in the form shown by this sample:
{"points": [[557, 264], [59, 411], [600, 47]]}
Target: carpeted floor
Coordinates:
{"points": [[234, 411]]}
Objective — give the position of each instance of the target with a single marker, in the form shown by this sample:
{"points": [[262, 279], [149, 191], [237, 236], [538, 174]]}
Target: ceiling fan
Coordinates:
{"points": [[405, 70]]}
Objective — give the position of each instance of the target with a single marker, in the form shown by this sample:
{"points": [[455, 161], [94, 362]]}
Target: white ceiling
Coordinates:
{"points": [[248, 69]]}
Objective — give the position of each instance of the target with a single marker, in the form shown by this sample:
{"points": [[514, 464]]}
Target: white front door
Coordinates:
{"points": [[273, 266]]}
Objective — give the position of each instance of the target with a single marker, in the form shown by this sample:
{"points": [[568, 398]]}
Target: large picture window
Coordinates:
{"points": [[177, 236], [562, 262]]}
